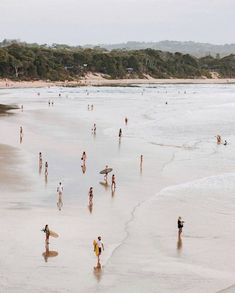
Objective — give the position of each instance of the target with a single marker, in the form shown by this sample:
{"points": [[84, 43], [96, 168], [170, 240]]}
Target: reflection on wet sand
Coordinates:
{"points": [[98, 271], [49, 253], [105, 184], [179, 245], [90, 208], [83, 168]]}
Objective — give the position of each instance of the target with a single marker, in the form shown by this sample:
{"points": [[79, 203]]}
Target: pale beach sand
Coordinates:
{"points": [[185, 173], [99, 80]]}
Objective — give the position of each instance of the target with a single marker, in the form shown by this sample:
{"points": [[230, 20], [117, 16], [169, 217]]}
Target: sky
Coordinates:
{"points": [[79, 22]]}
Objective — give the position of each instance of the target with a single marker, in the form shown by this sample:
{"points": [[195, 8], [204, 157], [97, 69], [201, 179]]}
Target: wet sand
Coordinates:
{"points": [[184, 173]]}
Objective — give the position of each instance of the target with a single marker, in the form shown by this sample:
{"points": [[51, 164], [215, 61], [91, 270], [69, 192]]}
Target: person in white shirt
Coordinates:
{"points": [[60, 190], [101, 246]]}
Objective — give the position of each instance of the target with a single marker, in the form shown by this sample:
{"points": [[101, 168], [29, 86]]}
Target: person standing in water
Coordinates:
{"points": [[60, 190], [120, 133], [113, 186], [180, 226], [94, 129], [90, 196], [141, 161], [21, 134], [83, 158], [218, 138], [46, 169]]}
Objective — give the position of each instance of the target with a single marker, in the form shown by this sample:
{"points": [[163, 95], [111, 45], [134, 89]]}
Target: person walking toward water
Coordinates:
{"points": [[47, 232], [90, 196], [180, 226], [46, 169], [60, 190], [94, 129], [141, 161], [98, 247], [106, 174], [120, 133], [218, 138], [113, 186], [83, 158]]}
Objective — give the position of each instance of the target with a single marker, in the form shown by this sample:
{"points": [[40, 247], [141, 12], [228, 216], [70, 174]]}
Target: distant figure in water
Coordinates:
{"points": [[166, 103], [90, 196], [225, 142], [92, 107], [126, 120], [49, 103], [52, 103], [88, 107], [113, 186], [46, 169], [141, 161], [218, 138], [47, 232], [59, 94], [21, 134], [60, 190], [22, 108], [94, 129], [83, 158], [180, 226], [120, 133]]}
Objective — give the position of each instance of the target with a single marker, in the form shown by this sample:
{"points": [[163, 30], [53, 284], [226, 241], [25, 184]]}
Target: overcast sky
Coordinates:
{"points": [[111, 21]]}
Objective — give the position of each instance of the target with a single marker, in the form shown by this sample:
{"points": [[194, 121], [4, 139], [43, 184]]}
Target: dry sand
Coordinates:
{"points": [[99, 80]]}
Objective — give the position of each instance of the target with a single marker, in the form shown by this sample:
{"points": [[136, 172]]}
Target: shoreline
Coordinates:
{"points": [[98, 80]]}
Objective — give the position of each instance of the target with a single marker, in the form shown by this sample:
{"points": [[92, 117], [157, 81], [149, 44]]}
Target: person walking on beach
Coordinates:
{"points": [[94, 129], [120, 133], [60, 190], [126, 120], [83, 158], [106, 174], [90, 196], [141, 161], [46, 169], [100, 247], [218, 138], [180, 227], [47, 232], [21, 134], [113, 186]]}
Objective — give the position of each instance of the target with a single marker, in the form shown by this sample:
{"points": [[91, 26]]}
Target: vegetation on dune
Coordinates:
{"points": [[22, 61]]}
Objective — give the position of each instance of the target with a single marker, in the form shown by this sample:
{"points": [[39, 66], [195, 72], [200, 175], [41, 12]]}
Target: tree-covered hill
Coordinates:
{"points": [[32, 62]]}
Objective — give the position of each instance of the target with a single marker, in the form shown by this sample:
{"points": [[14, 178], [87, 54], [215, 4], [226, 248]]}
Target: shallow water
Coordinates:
{"points": [[184, 173]]}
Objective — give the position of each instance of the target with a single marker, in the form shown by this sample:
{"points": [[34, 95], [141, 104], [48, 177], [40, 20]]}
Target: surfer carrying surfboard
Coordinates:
{"points": [[98, 247], [47, 232]]}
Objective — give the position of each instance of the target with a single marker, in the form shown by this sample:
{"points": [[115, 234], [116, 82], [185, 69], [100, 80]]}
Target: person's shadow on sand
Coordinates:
{"points": [[49, 253], [105, 184], [98, 271]]}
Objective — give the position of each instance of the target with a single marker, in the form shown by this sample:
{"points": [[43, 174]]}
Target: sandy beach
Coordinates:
{"points": [[99, 80], [185, 173]]}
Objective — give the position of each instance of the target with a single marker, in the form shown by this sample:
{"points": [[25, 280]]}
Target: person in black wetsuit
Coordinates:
{"points": [[180, 226]]}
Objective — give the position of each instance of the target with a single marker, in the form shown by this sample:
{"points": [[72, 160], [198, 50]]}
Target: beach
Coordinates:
{"points": [[97, 79], [184, 173]]}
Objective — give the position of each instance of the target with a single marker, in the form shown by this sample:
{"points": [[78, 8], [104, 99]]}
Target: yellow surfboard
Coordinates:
{"points": [[96, 248]]}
